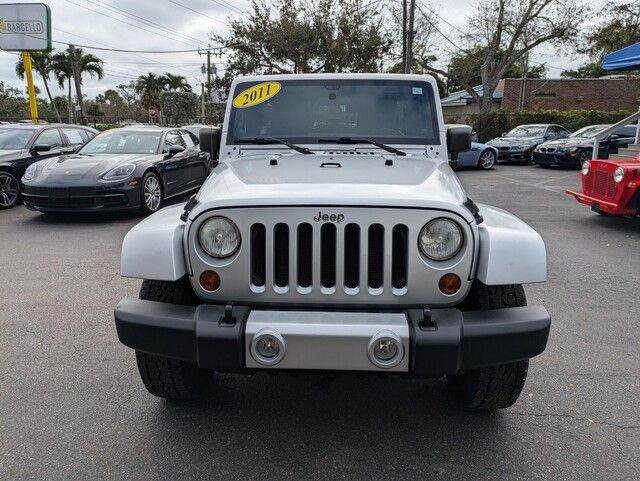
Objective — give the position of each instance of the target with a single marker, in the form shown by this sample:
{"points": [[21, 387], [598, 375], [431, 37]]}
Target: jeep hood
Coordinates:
{"points": [[413, 181]]}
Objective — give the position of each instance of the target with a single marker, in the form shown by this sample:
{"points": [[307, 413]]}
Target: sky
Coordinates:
{"points": [[177, 25]]}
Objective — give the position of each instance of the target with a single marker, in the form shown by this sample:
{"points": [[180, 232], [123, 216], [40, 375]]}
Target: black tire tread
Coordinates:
{"points": [[492, 387], [165, 377]]}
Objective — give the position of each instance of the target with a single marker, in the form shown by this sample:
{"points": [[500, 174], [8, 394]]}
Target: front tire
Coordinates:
{"points": [[9, 190], [487, 160], [162, 376], [151, 195], [492, 387], [583, 156]]}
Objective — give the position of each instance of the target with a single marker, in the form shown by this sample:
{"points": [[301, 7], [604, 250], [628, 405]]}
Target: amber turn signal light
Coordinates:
{"points": [[210, 280], [449, 284]]}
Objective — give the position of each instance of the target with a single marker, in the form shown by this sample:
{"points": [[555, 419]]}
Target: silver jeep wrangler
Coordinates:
{"points": [[332, 235]]}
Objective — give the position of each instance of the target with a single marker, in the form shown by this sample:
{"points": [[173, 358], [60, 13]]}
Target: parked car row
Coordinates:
{"points": [[550, 144], [62, 168]]}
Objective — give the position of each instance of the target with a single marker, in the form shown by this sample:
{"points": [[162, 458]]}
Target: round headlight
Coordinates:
{"points": [[219, 237], [440, 239], [618, 175], [585, 167]]}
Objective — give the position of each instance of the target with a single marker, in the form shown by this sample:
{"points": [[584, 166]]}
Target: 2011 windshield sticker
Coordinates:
{"points": [[256, 95]]}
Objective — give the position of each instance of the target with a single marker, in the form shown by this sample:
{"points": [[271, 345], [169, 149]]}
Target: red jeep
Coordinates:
{"points": [[611, 187]]}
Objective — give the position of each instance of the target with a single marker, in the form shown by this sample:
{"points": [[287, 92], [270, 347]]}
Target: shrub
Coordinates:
{"points": [[178, 107]]}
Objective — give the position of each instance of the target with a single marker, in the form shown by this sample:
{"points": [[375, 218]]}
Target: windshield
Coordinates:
{"points": [[123, 143], [304, 111], [589, 131], [14, 139], [526, 131]]}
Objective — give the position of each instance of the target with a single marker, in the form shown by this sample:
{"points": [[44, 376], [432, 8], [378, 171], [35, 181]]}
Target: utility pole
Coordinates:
{"points": [[76, 78], [404, 36], [209, 74], [410, 35], [202, 105]]}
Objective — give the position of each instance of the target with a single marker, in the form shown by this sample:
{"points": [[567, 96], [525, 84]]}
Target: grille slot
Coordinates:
{"points": [[376, 256], [305, 255], [352, 256], [258, 263], [281, 255], [399, 261], [328, 255]]}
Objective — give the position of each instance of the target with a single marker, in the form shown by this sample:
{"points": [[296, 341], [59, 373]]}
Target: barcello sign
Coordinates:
{"points": [[25, 27]]}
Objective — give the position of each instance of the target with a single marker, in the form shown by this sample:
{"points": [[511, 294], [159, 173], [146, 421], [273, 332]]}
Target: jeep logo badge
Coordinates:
{"points": [[337, 218]]}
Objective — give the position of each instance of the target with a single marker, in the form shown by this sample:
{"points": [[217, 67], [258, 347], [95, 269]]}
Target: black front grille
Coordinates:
{"points": [[331, 239], [376, 256], [328, 255], [352, 256]]}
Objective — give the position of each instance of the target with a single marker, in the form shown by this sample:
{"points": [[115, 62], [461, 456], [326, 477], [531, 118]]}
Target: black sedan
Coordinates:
{"points": [[578, 147], [132, 168], [23, 144], [518, 143]]}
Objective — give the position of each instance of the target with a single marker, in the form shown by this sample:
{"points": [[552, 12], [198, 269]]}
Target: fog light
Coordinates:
{"points": [[268, 347], [210, 281], [449, 284], [385, 350]]}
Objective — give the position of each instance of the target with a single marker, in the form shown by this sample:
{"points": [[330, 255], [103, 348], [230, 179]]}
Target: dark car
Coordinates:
{"points": [[519, 143], [23, 144], [578, 147], [132, 168]]}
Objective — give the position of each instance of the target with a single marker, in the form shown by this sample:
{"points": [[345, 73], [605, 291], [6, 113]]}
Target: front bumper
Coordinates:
{"points": [[600, 205], [513, 154], [437, 342], [103, 198], [560, 158]]}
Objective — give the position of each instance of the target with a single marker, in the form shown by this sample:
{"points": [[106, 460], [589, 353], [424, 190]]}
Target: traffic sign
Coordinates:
{"points": [[152, 111]]}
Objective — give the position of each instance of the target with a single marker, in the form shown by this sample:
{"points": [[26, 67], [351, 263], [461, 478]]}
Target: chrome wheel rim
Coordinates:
{"points": [[8, 190], [487, 159], [152, 193]]}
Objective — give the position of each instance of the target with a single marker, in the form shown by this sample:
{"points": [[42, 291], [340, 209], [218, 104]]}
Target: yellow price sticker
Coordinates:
{"points": [[256, 95]]}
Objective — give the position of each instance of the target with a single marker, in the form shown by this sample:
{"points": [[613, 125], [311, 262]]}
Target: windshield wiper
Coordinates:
{"points": [[358, 140], [271, 140]]}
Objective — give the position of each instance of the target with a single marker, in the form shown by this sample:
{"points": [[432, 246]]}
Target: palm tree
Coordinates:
{"points": [[87, 63], [42, 62], [149, 88], [176, 83]]}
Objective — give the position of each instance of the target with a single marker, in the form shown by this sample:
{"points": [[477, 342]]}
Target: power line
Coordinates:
{"points": [[138, 18], [196, 11], [223, 4], [127, 23]]}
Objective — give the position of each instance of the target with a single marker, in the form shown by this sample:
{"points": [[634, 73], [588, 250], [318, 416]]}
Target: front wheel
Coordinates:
{"points": [[583, 156], [487, 159], [150, 194], [162, 376], [492, 387], [9, 190]]}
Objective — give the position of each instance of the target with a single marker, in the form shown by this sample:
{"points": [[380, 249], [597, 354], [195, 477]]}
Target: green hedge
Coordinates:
{"points": [[500, 121], [103, 127]]}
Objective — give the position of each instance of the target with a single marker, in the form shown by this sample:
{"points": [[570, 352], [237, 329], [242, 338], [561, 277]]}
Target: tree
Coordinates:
{"points": [[620, 28], [43, 64], [175, 83], [62, 70], [306, 36], [507, 31], [149, 87], [179, 107]]}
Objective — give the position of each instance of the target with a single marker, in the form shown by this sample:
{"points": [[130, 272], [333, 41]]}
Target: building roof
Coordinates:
{"points": [[463, 97]]}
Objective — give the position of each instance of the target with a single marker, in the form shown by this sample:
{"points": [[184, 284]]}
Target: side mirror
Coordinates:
{"points": [[614, 137], [41, 148], [173, 150], [458, 140], [210, 139], [503, 134]]}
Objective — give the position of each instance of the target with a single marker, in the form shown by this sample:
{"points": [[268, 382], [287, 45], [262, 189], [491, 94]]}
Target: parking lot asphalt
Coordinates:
{"points": [[72, 406]]}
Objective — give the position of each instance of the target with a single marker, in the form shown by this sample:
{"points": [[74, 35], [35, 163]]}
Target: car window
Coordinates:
{"points": [[555, 131], [14, 138], [50, 137], [173, 138], [122, 142], [194, 138], [625, 132], [75, 136], [187, 139]]}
